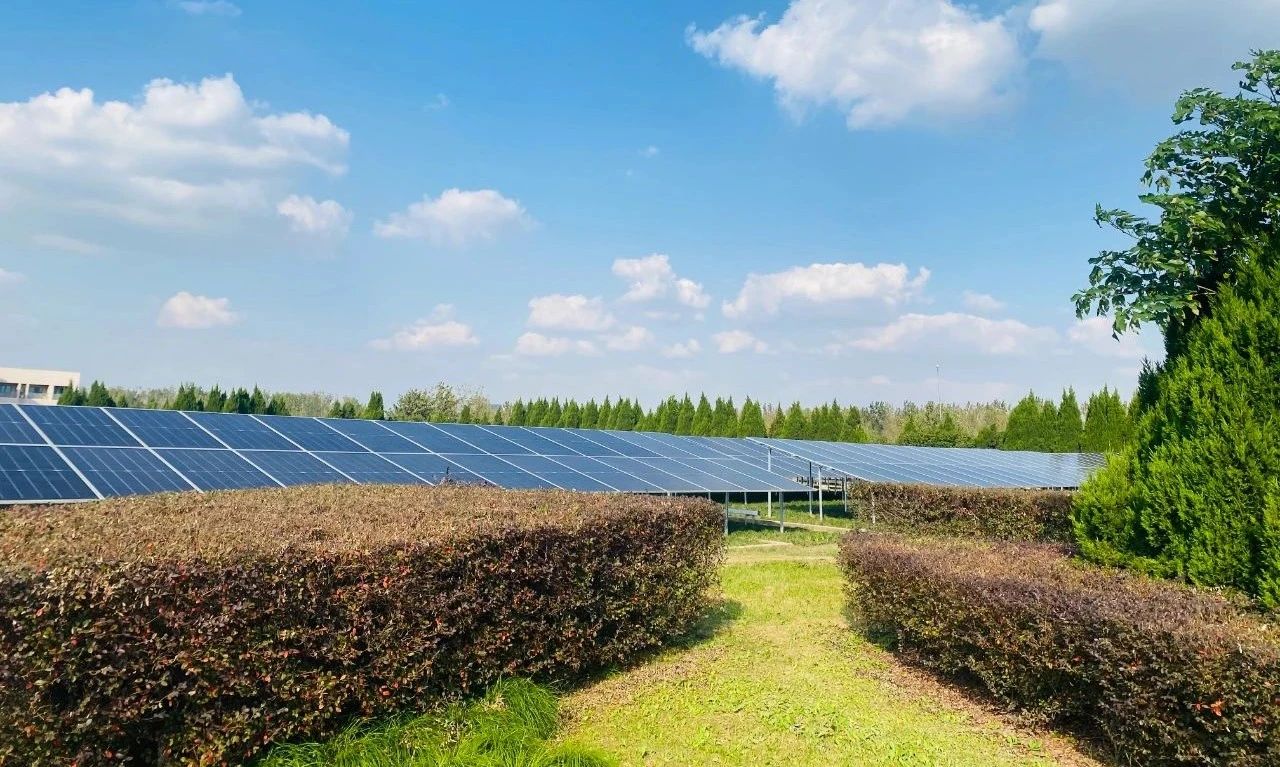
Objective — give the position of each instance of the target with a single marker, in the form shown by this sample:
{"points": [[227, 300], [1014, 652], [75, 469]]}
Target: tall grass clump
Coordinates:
{"points": [[511, 726]]}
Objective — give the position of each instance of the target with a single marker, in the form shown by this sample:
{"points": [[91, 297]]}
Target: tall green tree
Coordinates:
{"points": [[590, 415], [257, 401], [604, 418], [751, 421], [1195, 495], [851, 428], [72, 395], [98, 396], [778, 426], [187, 398], [702, 418], [797, 423], [215, 400], [551, 416], [1215, 184], [686, 417], [1070, 428], [1026, 429], [1107, 426], [277, 405], [373, 410], [724, 418]]}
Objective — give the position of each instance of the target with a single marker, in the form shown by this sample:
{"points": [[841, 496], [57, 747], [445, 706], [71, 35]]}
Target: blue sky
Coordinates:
{"points": [[799, 200]]}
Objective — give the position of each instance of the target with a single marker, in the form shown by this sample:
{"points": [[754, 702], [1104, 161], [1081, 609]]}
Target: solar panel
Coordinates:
{"points": [[124, 470], [538, 441], [487, 441], [114, 451], [370, 468], [499, 472], [575, 442], [309, 434], [78, 426], [216, 469], [163, 428], [558, 473], [373, 436], [35, 473], [615, 478], [293, 467], [435, 468], [431, 438], [15, 430], [615, 444], [241, 432], [636, 467]]}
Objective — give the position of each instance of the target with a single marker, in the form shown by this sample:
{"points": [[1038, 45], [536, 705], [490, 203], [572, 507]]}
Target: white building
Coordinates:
{"points": [[37, 387]]}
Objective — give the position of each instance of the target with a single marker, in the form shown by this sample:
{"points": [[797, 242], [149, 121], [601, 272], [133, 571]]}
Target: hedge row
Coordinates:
{"points": [[196, 629], [1014, 515], [1166, 675]]}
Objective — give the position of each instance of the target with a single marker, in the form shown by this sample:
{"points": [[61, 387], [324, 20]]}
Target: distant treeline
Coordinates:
{"points": [[1103, 425]]}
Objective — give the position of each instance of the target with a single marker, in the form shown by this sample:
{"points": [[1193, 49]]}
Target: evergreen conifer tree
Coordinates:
{"points": [[1195, 494], [1107, 426], [590, 415], [98, 396], [702, 418], [684, 420], [277, 405], [751, 422], [851, 428], [215, 400], [604, 419], [797, 424], [518, 415], [257, 401], [1070, 428], [373, 410], [1025, 430]]}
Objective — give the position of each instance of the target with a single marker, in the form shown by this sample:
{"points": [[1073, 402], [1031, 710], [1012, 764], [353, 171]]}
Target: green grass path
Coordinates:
{"points": [[784, 681]]}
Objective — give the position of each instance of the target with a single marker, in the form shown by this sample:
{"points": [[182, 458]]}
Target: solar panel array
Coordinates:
{"points": [[62, 453]]}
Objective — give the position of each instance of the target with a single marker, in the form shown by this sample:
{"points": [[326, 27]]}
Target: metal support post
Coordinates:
{"points": [[820, 516]]}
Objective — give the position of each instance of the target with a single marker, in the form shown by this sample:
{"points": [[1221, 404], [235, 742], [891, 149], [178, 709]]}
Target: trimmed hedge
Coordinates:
{"points": [[1165, 674], [1014, 515], [196, 629]]}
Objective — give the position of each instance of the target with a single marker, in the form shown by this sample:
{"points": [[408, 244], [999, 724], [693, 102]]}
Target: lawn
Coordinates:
{"points": [[783, 680]]}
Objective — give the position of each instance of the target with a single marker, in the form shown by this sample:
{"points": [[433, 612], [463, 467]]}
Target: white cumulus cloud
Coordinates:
{"points": [[457, 218], [683, 349], [539, 345], [824, 284], [632, 339], [439, 329], [306, 215], [1094, 334], [879, 61], [734, 341], [193, 312], [982, 303], [1157, 47], [184, 155], [576, 312], [955, 329], [652, 277]]}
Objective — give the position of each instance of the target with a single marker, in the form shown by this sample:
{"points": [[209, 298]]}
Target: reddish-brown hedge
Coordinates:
{"points": [[1011, 515], [1165, 674], [188, 629]]}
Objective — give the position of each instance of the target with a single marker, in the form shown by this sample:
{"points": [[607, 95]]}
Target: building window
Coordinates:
{"points": [[58, 390], [37, 391], [8, 389]]}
